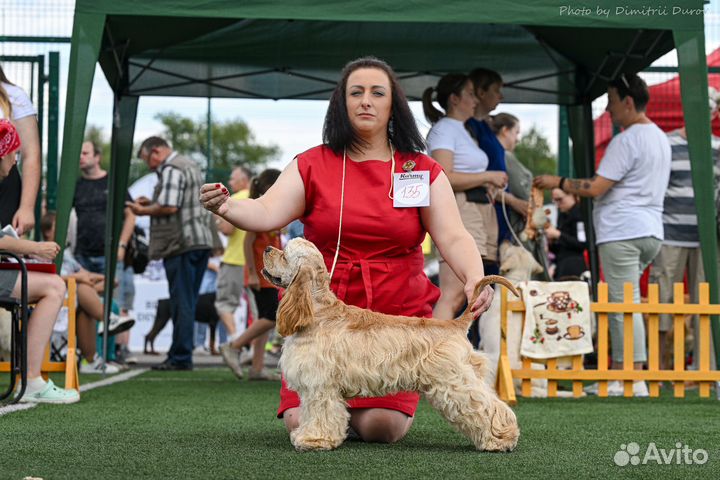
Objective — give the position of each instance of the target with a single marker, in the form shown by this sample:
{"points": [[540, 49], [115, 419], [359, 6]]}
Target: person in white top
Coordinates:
{"points": [[18, 196], [465, 165], [629, 189]]}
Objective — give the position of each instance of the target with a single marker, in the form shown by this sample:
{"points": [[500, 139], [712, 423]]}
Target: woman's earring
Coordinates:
{"points": [[391, 128]]}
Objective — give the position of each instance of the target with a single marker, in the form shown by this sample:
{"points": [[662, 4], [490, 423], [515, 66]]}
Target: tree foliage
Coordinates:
{"points": [[232, 142], [533, 150]]}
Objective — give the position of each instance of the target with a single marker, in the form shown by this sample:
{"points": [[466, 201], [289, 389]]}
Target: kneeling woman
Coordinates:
{"points": [[346, 195]]}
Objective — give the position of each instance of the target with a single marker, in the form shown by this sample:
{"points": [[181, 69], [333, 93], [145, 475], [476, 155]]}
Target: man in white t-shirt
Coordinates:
{"points": [[629, 190], [17, 195]]}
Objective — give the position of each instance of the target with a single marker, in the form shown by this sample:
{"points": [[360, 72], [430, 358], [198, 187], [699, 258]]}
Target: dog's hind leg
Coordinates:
{"points": [[323, 422], [472, 407]]}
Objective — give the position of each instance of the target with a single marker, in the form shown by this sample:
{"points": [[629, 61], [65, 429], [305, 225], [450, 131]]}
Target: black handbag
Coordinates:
{"points": [[137, 251], [477, 195]]}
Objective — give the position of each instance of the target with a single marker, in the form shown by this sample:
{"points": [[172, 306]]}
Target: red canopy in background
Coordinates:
{"points": [[664, 108]]}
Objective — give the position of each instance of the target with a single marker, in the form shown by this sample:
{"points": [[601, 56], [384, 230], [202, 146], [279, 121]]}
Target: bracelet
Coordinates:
{"points": [[562, 182], [123, 245]]}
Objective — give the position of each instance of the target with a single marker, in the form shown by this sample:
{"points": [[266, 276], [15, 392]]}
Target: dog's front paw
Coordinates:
{"points": [[306, 442]]}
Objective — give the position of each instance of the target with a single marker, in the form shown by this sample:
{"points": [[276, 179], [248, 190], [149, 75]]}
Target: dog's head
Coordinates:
{"points": [[301, 270]]}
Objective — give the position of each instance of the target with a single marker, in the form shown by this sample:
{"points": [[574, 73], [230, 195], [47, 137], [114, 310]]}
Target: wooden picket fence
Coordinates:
{"points": [[653, 375]]}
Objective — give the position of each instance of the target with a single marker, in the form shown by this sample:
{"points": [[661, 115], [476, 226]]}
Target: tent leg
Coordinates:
{"points": [[694, 91], [124, 116], [583, 154], [86, 40]]}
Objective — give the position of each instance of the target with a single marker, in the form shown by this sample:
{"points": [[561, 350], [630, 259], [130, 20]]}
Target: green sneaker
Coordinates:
{"points": [[51, 394]]}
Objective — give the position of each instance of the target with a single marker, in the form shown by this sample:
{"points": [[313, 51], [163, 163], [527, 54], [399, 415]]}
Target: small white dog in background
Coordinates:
{"points": [[517, 265]]}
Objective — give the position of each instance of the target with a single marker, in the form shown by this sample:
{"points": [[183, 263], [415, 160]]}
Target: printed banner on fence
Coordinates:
{"points": [[557, 319]]}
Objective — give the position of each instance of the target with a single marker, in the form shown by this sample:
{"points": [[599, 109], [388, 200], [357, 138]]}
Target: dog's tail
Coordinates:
{"points": [[465, 319]]}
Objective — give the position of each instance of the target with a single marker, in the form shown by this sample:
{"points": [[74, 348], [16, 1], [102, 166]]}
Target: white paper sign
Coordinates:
{"points": [[411, 189]]}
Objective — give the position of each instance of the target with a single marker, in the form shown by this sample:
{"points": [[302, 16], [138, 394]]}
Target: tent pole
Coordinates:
{"points": [[121, 145], [86, 40], [694, 90], [583, 154]]}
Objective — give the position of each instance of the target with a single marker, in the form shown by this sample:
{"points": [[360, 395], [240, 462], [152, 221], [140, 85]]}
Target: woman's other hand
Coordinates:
{"points": [[483, 301], [497, 179], [214, 197], [45, 251], [552, 233], [546, 182]]}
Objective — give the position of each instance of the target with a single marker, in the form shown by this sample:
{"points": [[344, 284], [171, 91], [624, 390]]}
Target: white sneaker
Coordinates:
{"points": [[231, 357], [246, 356], [615, 388], [96, 366], [640, 389], [118, 324]]}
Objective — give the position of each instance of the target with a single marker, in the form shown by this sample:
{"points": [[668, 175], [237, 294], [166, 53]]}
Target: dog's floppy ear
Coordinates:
{"points": [[296, 309]]}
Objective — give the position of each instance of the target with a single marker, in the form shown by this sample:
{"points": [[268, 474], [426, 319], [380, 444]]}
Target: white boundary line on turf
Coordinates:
{"points": [[83, 388]]}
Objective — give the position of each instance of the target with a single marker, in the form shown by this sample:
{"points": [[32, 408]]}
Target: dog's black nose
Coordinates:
{"points": [[268, 249]]}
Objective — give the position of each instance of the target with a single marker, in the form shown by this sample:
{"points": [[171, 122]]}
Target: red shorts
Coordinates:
{"points": [[405, 402]]}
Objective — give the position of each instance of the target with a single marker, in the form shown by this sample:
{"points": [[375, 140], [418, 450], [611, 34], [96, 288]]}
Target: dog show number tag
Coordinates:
{"points": [[411, 189]]}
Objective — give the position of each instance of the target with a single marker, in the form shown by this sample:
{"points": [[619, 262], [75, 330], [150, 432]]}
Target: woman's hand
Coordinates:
{"points": [[44, 251], [214, 197], [552, 233], [483, 301], [496, 179], [24, 220], [546, 182], [253, 280]]}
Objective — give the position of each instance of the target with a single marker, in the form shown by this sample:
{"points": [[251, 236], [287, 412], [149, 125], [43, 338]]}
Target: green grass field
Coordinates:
{"points": [[207, 425]]}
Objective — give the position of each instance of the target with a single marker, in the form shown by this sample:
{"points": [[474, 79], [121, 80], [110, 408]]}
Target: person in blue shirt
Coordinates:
{"points": [[488, 90]]}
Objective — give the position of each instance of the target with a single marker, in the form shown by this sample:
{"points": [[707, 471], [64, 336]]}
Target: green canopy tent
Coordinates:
{"points": [[547, 52]]}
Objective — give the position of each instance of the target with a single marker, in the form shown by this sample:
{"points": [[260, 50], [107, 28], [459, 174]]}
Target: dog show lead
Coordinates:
{"points": [[366, 222]]}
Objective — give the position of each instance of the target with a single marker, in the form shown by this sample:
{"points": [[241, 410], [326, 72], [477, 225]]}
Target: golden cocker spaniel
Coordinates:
{"points": [[334, 351]]}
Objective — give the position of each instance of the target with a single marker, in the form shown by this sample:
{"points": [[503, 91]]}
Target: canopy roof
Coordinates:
{"points": [[260, 49], [547, 52]]}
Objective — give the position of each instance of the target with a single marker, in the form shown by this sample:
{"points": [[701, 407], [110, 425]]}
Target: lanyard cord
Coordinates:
{"points": [[342, 204], [392, 171], [342, 201]]}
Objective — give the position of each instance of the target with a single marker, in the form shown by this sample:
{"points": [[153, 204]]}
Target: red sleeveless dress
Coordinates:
{"points": [[380, 266]]}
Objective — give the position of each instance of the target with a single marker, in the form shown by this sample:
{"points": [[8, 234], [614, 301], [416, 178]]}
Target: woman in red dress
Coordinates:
{"points": [[345, 194]]}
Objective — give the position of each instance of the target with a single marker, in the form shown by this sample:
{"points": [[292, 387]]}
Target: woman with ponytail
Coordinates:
{"points": [[465, 165]]}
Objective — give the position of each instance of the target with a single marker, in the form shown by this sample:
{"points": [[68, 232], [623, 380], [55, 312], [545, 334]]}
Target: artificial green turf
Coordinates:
{"points": [[207, 425]]}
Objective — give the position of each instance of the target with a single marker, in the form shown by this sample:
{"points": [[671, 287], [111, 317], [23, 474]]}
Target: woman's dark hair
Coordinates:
{"points": [[502, 120], [338, 132], [46, 223], [635, 87], [262, 183], [482, 78], [452, 83]]}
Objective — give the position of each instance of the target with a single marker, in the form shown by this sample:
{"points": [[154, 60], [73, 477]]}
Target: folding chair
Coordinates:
{"points": [[17, 366]]}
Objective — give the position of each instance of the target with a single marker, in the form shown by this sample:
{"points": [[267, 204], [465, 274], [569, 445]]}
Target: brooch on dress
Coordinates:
{"points": [[408, 166]]}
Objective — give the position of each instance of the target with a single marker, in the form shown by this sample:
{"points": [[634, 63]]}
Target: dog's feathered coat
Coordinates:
{"points": [[336, 351]]}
